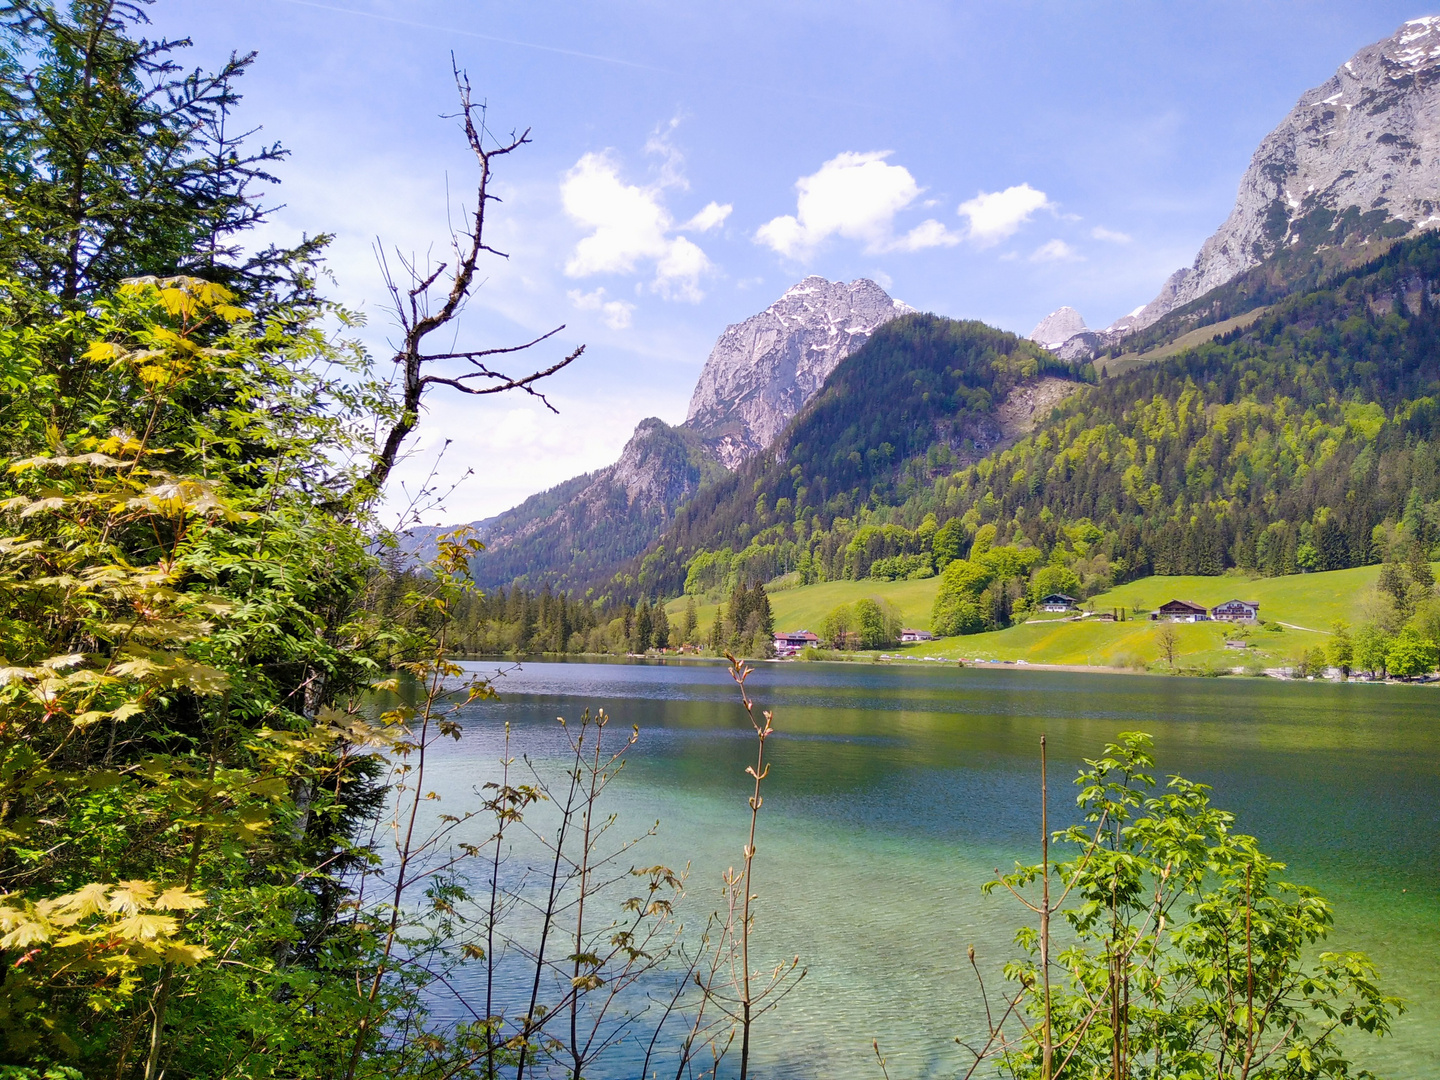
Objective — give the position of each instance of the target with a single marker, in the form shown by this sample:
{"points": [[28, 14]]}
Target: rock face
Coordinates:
{"points": [[1057, 328], [1065, 334], [1358, 158], [762, 371], [759, 375], [577, 530]]}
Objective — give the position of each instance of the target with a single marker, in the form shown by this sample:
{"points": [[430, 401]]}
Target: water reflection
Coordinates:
{"points": [[896, 791]]}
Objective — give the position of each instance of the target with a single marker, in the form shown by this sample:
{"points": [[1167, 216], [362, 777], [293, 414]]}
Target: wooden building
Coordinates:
{"points": [[1182, 611]]}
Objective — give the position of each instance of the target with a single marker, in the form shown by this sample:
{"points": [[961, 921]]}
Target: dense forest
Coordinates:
{"points": [[519, 622], [919, 395], [1306, 441]]}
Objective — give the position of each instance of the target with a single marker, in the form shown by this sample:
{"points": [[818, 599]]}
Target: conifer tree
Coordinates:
{"points": [[692, 620]]}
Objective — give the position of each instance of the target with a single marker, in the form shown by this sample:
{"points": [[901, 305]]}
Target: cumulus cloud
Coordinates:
{"points": [[1110, 235], [997, 215], [854, 196], [616, 314], [712, 217], [629, 225], [1055, 251]]}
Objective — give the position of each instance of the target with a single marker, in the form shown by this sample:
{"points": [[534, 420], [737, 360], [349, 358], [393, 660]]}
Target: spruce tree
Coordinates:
{"points": [[760, 602], [118, 162], [692, 620], [644, 628]]}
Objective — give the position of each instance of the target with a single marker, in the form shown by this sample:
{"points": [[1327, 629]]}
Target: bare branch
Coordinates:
{"points": [[417, 320]]}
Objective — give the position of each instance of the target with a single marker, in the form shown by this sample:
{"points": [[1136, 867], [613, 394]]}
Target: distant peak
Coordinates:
{"points": [[1058, 327]]}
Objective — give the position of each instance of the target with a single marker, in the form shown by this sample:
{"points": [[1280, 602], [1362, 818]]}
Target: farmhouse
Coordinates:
{"points": [[1236, 611], [1057, 602], [792, 643], [1182, 611], [909, 636]]}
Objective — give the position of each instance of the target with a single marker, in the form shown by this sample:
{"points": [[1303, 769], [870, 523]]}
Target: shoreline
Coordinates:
{"points": [[922, 662]]}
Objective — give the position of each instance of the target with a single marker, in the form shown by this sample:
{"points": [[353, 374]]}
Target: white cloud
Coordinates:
{"points": [[929, 233], [1110, 235], [996, 215], [712, 217], [630, 225], [679, 270], [614, 313], [1055, 251], [854, 196]]}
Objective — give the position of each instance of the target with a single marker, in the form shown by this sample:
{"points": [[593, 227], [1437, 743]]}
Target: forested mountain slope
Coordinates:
{"points": [[924, 393], [1305, 440], [580, 530]]}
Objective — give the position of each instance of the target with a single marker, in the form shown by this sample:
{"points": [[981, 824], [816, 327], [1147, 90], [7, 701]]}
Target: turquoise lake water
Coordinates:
{"points": [[895, 793]]}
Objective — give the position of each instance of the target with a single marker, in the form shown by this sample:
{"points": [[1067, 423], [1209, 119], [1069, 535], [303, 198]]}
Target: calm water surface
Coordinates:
{"points": [[895, 792]]}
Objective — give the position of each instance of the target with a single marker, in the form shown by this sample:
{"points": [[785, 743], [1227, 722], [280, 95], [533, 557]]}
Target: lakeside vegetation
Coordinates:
{"points": [[1299, 614], [222, 851]]}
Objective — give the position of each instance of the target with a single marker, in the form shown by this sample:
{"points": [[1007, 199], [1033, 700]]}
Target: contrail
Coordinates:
{"points": [[483, 37]]}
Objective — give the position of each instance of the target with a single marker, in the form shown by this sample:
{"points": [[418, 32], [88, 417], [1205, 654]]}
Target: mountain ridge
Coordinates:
{"points": [[759, 374]]}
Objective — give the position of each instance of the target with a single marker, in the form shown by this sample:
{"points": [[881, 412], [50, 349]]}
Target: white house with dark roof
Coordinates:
{"points": [[1236, 611]]}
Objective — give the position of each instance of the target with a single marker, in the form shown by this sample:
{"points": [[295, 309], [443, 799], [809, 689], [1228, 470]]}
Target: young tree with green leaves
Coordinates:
{"points": [[1186, 953]]}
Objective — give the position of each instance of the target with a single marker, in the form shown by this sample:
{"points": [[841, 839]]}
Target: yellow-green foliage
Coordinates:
{"points": [[805, 608], [1314, 601], [1308, 603]]}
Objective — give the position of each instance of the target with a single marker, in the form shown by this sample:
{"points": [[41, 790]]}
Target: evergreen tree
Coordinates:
{"points": [[760, 605], [741, 604], [644, 628], [692, 620], [661, 633], [118, 163]]}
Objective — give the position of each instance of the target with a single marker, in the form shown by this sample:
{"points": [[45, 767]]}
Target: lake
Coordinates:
{"points": [[895, 792]]}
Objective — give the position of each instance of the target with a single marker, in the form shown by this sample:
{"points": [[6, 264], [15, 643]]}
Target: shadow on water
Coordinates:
{"points": [[895, 792]]}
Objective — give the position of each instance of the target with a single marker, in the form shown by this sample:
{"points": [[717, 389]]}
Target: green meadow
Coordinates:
{"points": [[1297, 612]]}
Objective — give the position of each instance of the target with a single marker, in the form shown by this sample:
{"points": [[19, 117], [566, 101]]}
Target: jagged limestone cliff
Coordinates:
{"points": [[762, 371], [1357, 159]]}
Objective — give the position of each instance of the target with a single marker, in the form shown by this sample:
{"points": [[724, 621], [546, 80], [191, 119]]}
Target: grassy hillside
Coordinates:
{"points": [[805, 608], [1313, 601], [1127, 644], [1301, 607]]}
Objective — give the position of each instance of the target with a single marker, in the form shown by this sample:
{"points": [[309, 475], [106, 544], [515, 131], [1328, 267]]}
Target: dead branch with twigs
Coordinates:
{"points": [[420, 311]]}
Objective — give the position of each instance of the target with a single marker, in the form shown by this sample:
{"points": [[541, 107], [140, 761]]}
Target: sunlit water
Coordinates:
{"points": [[894, 794]]}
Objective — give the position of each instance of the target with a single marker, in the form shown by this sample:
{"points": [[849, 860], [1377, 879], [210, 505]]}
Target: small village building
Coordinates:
{"points": [[910, 636], [789, 644], [1057, 602], [1233, 644], [1106, 616], [1182, 611], [1236, 611]]}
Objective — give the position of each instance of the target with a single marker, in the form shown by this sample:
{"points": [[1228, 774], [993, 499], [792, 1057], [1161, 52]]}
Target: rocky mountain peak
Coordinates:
{"points": [[1057, 328], [1358, 158], [762, 371]]}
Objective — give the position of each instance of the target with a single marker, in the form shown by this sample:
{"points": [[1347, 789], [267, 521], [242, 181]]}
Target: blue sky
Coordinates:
{"points": [[692, 161]]}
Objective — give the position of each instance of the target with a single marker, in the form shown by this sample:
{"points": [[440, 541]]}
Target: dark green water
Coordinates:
{"points": [[895, 793]]}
